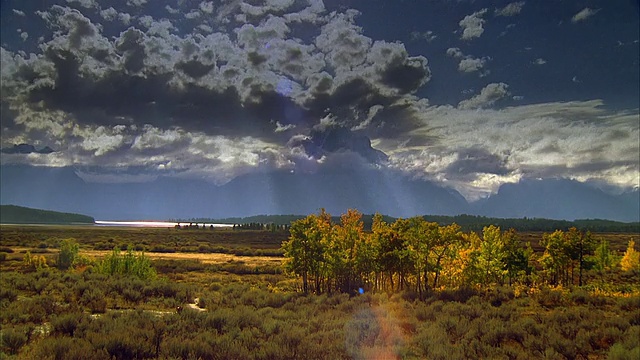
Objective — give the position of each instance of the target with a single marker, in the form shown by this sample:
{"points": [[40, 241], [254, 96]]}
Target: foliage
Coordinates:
{"points": [[305, 249], [564, 251], [128, 264], [34, 262], [253, 322], [12, 339], [407, 254], [68, 255], [631, 259], [491, 264], [603, 258]]}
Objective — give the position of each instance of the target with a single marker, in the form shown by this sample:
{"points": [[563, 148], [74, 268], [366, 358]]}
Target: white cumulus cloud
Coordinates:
{"points": [[487, 97], [471, 64], [472, 25]]}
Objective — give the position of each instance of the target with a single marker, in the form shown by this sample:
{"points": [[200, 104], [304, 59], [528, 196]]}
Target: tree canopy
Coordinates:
{"points": [[418, 255]]}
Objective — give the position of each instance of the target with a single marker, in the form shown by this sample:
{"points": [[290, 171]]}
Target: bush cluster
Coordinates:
{"points": [[241, 321]]}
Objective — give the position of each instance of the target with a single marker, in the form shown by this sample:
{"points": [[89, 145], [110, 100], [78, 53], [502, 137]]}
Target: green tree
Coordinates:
{"points": [[578, 247], [348, 241], [68, 254], [384, 258], [304, 250], [516, 256], [365, 266], [419, 237], [401, 251], [467, 261], [491, 257], [603, 258], [444, 241], [555, 258]]}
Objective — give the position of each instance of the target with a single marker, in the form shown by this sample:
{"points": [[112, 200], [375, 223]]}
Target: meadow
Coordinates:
{"points": [[224, 294]]}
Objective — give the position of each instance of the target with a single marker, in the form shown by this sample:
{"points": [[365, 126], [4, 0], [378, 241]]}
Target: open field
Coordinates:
{"points": [[90, 236], [205, 258], [194, 241], [617, 241], [151, 240], [247, 308]]}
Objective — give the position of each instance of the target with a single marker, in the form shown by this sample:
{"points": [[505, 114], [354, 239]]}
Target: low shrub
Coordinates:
{"points": [[102, 246], [12, 339], [461, 295], [94, 299], [549, 297], [62, 347], [162, 249], [66, 324], [619, 352], [8, 294]]}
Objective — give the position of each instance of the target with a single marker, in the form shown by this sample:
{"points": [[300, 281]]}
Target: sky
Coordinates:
{"points": [[468, 95]]}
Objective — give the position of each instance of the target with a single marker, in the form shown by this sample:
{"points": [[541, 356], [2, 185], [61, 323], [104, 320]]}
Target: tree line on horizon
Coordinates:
{"points": [[243, 226], [465, 221], [418, 255]]}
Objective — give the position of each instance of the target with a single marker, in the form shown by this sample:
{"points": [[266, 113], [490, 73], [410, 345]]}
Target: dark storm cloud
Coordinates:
{"points": [[216, 90], [349, 101], [477, 160], [26, 149], [148, 99], [222, 85], [328, 139]]}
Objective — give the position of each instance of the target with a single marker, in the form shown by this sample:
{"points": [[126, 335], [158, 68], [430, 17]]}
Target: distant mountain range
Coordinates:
{"points": [[559, 199], [11, 214], [368, 191]]}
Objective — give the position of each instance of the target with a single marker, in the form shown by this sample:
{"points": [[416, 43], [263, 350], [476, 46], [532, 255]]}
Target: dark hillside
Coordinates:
{"points": [[11, 214]]}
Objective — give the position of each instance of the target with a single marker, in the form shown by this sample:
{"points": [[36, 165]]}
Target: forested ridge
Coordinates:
{"points": [[12, 214]]}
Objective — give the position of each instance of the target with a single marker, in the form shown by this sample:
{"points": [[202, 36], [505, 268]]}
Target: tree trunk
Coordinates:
{"points": [[304, 282], [580, 275], [418, 275], [580, 264]]}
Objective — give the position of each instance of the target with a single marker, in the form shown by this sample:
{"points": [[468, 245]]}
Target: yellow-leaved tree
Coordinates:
{"points": [[631, 259]]}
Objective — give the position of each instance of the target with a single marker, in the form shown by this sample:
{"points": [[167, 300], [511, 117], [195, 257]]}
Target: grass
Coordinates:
{"points": [[185, 240], [209, 258], [248, 309]]}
